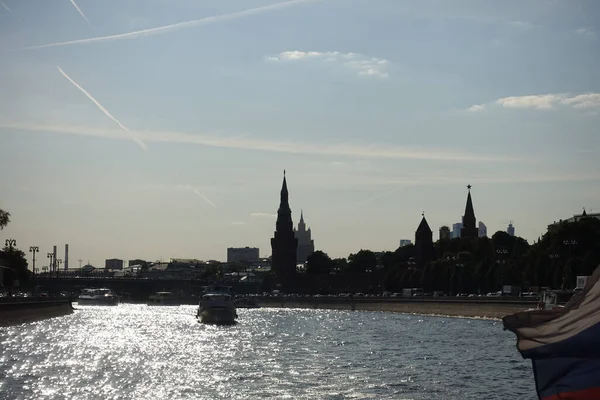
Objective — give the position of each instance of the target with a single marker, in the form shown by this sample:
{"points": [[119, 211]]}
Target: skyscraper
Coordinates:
{"points": [[456, 228], [482, 229], [306, 246], [405, 242], [445, 233], [284, 244], [511, 229], [469, 228]]}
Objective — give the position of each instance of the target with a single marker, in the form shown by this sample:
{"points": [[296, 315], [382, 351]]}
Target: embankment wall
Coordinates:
{"points": [[457, 308], [18, 312]]}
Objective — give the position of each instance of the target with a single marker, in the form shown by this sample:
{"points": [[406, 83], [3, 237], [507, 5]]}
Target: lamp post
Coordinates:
{"points": [[33, 250], [51, 263], [10, 243]]}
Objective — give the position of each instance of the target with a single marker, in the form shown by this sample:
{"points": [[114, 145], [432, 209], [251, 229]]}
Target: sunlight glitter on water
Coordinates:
{"points": [[140, 352]]}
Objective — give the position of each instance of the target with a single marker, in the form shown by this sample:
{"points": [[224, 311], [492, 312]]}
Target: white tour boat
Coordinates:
{"points": [[98, 297], [217, 306], [164, 299]]}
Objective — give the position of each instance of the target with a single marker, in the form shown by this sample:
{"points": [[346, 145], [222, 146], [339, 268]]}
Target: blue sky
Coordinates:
{"points": [[126, 132]]}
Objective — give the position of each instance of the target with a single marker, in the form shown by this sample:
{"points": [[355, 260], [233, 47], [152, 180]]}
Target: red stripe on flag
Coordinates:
{"points": [[586, 394]]}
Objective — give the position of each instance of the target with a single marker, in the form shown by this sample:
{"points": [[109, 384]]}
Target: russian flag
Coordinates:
{"points": [[563, 345]]}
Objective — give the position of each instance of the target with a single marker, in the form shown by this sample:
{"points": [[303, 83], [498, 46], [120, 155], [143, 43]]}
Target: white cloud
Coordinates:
{"points": [[263, 215], [589, 101], [362, 150], [541, 102], [361, 64], [476, 107], [585, 32]]}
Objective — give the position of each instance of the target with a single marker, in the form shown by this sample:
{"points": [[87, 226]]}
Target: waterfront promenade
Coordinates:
{"points": [[448, 306], [14, 310]]}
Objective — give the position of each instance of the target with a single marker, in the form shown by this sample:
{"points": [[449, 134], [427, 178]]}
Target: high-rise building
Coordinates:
{"points": [[405, 242], [113, 263], [306, 245], [238, 254], [445, 233], [456, 228], [482, 229], [284, 244], [469, 228], [424, 250], [511, 229]]}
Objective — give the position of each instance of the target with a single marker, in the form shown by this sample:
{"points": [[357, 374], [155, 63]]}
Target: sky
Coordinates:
{"points": [[158, 128]]}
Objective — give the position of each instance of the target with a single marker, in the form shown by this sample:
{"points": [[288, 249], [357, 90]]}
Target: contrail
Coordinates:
{"points": [[104, 110], [80, 12], [168, 28], [5, 6], [206, 199]]}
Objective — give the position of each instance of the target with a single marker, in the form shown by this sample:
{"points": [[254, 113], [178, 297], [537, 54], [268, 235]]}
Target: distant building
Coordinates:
{"points": [[306, 246], [511, 229], [445, 233], [482, 229], [469, 228], [456, 230], [113, 263], [424, 250], [574, 218], [238, 254], [405, 242]]}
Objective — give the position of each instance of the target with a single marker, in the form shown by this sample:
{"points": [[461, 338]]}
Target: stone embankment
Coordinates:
{"points": [[17, 311], [456, 307]]}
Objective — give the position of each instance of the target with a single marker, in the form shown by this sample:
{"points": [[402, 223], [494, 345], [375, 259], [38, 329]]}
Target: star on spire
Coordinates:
{"points": [[469, 186]]}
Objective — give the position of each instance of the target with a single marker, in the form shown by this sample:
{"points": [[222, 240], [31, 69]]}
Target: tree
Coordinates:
{"points": [[16, 262], [363, 261], [319, 263], [4, 218]]}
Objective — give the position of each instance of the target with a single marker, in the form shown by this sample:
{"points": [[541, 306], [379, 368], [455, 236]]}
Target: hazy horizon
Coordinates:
{"points": [[155, 129]]}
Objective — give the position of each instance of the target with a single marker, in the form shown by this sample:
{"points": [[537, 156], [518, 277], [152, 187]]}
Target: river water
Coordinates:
{"points": [[140, 352]]}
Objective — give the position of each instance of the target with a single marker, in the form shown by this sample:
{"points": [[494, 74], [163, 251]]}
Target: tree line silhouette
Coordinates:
{"points": [[479, 266]]}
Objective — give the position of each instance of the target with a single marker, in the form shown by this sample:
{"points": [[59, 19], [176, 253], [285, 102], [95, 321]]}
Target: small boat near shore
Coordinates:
{"points": [[217, 306], [246, 302], [164, 299], [98, 297]]}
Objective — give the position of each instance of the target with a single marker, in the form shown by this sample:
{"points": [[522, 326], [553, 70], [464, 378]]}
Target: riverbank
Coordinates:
{"points": [[479, 308], [18, 311]]}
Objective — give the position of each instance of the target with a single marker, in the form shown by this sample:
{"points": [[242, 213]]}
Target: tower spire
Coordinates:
{"points": [[284, 244], [301, 216], [284, 193], [469, 228]]}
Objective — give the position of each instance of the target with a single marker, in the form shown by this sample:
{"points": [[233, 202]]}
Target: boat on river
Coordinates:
{"points": [[217, 306], [98, 297], [163, 299], [246, 302]]}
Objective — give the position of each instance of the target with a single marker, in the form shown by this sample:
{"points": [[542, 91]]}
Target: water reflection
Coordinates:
{"points": [[140, 352]]}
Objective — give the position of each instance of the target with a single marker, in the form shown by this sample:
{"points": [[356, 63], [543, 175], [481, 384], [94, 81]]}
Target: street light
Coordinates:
{"points": [[33, 250], [51, 263], [10, 243]]}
